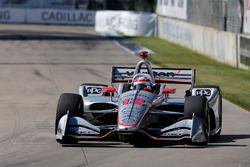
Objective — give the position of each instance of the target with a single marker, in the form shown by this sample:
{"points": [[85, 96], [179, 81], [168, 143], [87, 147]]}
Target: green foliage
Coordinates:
{"points": [[235, 83]]}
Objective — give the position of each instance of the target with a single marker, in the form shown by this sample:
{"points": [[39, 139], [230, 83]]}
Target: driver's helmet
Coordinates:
{"points": [[142, 83]]}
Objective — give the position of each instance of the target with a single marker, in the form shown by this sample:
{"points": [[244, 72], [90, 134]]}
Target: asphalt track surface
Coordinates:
{"points": [[38, 63]]}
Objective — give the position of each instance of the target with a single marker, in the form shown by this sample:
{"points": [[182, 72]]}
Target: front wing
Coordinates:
{"points": [[78, 128]]}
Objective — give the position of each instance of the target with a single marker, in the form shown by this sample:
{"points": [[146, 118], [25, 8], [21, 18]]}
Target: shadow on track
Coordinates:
{"points": [[101, 144], [43, 35], [225, 140]]}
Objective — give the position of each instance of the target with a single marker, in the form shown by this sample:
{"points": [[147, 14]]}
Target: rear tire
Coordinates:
{"points": [[197, 105], [68, 102]]}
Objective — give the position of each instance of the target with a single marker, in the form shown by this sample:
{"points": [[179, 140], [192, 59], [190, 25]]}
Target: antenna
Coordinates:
{"points": [[143, 54]]}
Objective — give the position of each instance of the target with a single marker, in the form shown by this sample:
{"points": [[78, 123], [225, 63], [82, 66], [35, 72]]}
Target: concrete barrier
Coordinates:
{"points": [[217, 44]]}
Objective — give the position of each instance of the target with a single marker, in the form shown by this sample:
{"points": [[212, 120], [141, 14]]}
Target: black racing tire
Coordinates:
{"points": [[197, 105], [68, 141], [220, 118], [68, 102], [219, 107]]}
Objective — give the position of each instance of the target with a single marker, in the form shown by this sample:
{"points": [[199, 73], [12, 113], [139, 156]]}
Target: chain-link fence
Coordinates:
{"points": [[206, 13], [234, 15], [224, 15]]}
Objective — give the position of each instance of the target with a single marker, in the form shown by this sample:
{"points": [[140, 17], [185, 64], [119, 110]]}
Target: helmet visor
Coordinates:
{"points": [[140, 86]]}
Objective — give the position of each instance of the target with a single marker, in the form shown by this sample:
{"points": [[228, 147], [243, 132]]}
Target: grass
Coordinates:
{"points": [[234, 83]]}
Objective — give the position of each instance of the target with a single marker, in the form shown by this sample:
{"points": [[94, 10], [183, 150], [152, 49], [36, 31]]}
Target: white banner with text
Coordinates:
{"points": [[47, 16], [52, 16], [125, 22]]}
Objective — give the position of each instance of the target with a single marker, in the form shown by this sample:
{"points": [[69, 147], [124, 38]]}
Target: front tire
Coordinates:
{"points": [[198, 105], [71, 103], [213, 120]]}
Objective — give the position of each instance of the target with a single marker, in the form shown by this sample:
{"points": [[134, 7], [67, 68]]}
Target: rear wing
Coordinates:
{"points": [[162, 75]]}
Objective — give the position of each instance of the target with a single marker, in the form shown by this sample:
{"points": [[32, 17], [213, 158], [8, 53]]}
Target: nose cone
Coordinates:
{"points": [[133, 107], [128, 129]]}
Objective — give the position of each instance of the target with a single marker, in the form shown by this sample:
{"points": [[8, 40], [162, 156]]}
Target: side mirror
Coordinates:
{"points": [[109, 89], [169, 90]]}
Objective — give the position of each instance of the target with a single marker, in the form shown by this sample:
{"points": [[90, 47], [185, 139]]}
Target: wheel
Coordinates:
{"points": [[68, 102], [220, 117], [219, 106], [198, 105], [138, 140], [67, 140]]}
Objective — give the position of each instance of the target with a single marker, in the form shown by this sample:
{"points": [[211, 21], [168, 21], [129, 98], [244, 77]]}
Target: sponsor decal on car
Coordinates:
{"points": [[138, 101], [94, 90], [203, 92]]}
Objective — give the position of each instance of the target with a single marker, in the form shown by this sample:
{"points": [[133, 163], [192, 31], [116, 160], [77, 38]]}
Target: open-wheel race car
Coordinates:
{"points": [[139, 106]]}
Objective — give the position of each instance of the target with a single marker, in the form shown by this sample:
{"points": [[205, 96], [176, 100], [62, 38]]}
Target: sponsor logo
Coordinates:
{"points": [[94, 90], [137, 101], [67, 16], [86, 131], [159, 74], [128, 23], [118, 21], [176, 133], [203, 92], [5, 15]]}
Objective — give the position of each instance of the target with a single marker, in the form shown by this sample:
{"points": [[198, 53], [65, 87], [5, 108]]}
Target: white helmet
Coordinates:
{"points": [[142, 83]]}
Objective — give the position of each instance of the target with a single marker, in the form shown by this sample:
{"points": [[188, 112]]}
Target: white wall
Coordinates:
{"points": [[217, 44]]}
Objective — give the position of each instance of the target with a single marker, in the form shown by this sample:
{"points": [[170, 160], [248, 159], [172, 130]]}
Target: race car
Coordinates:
{"points": [[139, 106]]}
